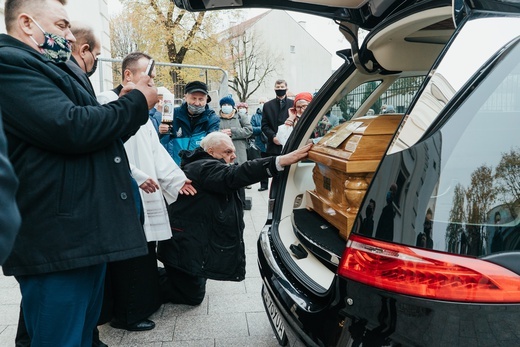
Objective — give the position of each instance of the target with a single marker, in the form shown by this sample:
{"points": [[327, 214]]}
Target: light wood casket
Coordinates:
{"points": [[346, 159]]}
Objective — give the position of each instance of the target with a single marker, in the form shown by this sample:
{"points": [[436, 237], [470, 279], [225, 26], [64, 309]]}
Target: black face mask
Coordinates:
{"points": [[94, 68], [280, 92]]}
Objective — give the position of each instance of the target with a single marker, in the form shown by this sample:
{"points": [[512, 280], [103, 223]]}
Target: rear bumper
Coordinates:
{"points": [[293, 337], [380, 318], [308, 320], [353, 314]]}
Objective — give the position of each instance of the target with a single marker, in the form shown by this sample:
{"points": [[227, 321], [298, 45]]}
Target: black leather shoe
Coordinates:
{"points": [[143, 325], [261, 189], [99, 343]]}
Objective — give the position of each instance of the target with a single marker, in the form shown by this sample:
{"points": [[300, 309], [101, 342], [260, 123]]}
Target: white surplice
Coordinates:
{"points": [[149, 159]]}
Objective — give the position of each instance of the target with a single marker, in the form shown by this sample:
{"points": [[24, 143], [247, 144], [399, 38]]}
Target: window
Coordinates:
{"points": [[465, 178]]}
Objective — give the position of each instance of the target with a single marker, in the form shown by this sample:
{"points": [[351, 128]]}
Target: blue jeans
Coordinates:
{"points": [[62, 308]]}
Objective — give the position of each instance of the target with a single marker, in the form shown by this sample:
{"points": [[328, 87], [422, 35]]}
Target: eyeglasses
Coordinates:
{"points": [[302, 107]]}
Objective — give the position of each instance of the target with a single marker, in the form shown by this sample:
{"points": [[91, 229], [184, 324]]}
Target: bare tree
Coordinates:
{"points": [[250, 63], [124, 38], [457, 218], [508, 179], [480, 196]]}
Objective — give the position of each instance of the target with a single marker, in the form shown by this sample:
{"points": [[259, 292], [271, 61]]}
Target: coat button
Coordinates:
{"points": [[117, 160], [124, 196]]}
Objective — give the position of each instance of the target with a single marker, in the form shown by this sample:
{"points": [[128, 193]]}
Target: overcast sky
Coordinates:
{"points": [[323, 30]]}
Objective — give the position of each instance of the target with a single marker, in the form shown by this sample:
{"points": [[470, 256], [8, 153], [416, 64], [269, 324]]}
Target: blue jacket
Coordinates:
{"points": [[155, 117], [186, 132], [256, 122]]}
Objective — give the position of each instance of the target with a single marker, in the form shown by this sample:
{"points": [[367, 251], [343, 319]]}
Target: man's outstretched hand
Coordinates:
{"points": [[295, 156]]}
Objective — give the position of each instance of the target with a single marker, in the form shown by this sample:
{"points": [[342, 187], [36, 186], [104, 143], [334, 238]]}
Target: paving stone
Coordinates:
{"points": [[9, 314], [109, 335], [250, 302], [185, 310], [251, 341], [254, 285], [232, 313], [259, 325], [215, 325], [7, 335], [10, 296], [223, 287], [191, 343]]}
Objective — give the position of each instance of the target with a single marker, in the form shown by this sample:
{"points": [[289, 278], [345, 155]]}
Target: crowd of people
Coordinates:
{"points": [[96, 188]]}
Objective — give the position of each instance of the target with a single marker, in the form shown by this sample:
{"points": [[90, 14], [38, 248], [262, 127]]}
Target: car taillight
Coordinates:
{"points": [[426, 273]]}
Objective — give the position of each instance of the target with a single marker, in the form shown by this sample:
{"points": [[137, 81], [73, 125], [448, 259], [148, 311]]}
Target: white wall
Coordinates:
{"points": [[95, 14], [306, 69]]}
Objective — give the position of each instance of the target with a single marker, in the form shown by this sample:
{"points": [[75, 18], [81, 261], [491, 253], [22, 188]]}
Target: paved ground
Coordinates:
{"points": [[232, 314]]}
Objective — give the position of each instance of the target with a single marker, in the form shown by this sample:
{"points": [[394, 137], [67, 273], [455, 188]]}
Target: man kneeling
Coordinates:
{"points": [[208, 227]]}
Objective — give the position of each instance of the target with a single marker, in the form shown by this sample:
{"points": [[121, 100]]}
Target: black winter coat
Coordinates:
{"points": [[75, 194], [272, 117], [208, 227]]}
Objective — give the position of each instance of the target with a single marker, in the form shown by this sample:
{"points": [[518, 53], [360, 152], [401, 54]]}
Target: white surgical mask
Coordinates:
{"points": [[242, 111], [227, 109]]}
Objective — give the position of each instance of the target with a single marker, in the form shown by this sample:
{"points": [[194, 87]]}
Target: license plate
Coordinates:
{"points": [[274, 317]]}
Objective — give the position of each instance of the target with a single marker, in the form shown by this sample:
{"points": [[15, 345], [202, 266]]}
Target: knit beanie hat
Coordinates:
{"points": [[242, 104], [227, 100]]}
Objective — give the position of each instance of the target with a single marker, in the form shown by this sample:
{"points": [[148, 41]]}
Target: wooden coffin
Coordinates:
{"points": [[346, 159]]}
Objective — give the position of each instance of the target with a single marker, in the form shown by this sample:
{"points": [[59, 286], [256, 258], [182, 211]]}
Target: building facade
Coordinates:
{"points": [[301, 60]]}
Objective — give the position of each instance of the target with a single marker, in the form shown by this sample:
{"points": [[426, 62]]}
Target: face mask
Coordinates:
{"points": [[227, 109], [196, 110], [55, 47], [242, 112], [94, 67], [280, 92], [261, 107]]}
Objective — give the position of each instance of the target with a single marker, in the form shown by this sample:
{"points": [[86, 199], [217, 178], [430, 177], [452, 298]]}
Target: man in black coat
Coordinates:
{"points": [[86, 49], [208, 227], [9, 214], [75, 193], [274, 114]]}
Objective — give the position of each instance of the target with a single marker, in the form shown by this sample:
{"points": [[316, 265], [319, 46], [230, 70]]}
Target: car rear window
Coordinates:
{"points": [[457, 191]]}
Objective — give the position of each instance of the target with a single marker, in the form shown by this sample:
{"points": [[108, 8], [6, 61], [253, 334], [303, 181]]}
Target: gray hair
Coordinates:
{"points": [[213, 140]]}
